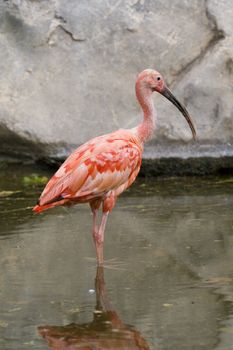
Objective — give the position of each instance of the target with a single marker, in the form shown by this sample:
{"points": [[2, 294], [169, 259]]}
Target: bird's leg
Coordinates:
{"points": [[99, 239], [98, 233], [95, 204], [108, 204], [95, 226]]}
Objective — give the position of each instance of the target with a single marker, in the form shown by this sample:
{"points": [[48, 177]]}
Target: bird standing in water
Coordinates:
{"points": [[98, 171]]}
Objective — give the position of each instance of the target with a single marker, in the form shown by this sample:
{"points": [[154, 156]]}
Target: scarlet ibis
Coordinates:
{"points": [[105, 331], [98, 171]]}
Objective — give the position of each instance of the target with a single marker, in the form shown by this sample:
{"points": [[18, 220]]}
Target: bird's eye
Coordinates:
{"points": [[158, 78]]}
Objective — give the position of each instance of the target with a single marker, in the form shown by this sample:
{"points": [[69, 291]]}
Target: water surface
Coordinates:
{"points": [[167, 281]]}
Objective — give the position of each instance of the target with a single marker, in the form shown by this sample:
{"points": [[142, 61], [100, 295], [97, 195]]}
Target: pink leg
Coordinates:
{"points": [[95, 226], [99, 239], [98, 233], [95, 204]]}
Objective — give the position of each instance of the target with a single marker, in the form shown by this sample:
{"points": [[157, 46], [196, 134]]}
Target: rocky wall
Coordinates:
{"points": [[68, 69]]}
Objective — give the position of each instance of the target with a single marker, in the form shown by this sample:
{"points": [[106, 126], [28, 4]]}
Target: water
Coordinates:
{"points": [[167, 281]]}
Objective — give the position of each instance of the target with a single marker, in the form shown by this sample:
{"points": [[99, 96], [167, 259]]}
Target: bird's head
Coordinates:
{"points": [[151, 80]]}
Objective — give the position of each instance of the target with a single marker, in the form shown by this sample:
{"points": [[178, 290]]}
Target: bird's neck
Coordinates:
{"points": [[146, 128]]}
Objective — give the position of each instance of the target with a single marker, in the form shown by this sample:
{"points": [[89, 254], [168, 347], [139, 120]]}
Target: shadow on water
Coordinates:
{"points": [[106, 331]]}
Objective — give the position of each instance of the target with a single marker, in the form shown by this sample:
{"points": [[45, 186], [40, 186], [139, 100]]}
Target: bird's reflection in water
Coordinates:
{"points": [[105, 331]]}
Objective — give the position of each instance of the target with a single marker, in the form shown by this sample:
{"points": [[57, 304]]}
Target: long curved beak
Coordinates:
{"points": [[168, 94]]}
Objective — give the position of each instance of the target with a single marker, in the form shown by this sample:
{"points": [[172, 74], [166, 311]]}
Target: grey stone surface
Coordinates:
{"points": [[68, 71]]}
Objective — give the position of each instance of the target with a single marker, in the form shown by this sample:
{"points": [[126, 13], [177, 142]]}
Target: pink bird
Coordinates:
{"points": [[98, 171]]}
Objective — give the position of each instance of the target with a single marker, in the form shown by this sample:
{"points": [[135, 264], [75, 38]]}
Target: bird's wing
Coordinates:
{"points": [[103, 164]]}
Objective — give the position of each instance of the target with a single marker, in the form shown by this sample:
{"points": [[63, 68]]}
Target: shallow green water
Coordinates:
{"points": [[168, 277]]}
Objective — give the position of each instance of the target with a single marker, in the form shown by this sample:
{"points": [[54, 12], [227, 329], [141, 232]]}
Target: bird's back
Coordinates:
{"points": [[105, 163]]}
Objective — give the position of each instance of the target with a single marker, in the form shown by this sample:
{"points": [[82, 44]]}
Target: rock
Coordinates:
{"points": [[68, 73]]}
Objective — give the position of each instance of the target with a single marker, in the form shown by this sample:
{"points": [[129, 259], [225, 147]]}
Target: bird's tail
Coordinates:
{"points": [[39, 208]]}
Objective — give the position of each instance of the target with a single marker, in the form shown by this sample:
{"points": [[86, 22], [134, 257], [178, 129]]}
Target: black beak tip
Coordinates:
{"points": [[168, 94]]}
